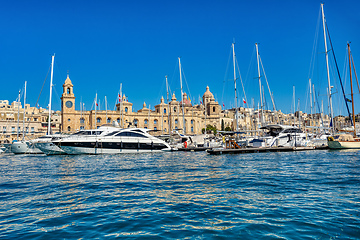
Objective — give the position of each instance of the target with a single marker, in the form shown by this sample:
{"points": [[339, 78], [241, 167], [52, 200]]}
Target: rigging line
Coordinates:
{"points": [[317, 103], [352, 60], [313, 55], [242, 84], [337, 68], [225, 75], [183, 73], [267, 83]]}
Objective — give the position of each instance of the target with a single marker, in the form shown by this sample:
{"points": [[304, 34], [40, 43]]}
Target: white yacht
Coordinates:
{"points": [[46, 145], [278, 135], [112, 140], [24, 147]]}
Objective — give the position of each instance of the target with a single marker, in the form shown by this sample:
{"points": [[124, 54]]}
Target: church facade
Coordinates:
{"points": [[175, 115]]}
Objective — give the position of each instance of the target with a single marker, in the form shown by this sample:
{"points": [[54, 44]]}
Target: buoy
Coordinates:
{"points": [[185, 144]]}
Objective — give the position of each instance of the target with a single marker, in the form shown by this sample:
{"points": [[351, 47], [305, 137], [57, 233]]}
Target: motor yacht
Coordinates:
{"points": [[111, 140], [278, 135]]}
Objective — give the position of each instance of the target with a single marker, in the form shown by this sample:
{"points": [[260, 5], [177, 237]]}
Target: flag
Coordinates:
{"points": [[189, 99], [119, 97], [200, 102], [223, 105], [244, 100]]}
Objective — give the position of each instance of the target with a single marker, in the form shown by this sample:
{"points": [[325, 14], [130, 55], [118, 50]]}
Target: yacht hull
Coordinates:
{"points": [[49, 148], [24, 148]]}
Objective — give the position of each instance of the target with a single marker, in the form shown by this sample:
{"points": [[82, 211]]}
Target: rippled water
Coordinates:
{"points": [[296, 195]]}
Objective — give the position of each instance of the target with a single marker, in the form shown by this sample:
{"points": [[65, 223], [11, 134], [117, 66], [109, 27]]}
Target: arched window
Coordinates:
{"points": [[176, 121], [155, 128], [145, 121], [118, 120], [165, 130], [155, 121], [98, 120], [68, 91], [213, 109], [164, 110], [69, 119], [69, 128], [135, 121], [174, 109], [82, 120], [192, 121], [192, 129], [108, 120], [126, 109]]}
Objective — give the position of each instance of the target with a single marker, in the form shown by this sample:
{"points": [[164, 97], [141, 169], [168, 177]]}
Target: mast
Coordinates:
{"points": [[168, 105], [106, 109], [182, 98], [24, 112], [352, 94], [120, 109], [50, 95], [294, 103], [259, 76], [95, 108], [18, 118], [327, 69], [236, 108]]}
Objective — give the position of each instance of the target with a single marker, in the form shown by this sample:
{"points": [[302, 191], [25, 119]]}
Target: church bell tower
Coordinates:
{"points": [[67, 105]]}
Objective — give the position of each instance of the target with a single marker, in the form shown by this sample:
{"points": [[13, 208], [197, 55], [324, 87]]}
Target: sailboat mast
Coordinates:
{"points": [[327, 68], [167, 101], [120, 107], [182, 98], [236, 108], [259, 76], [95, 108], [18, 117], [50, 95], [352, 93], [24, 112]]}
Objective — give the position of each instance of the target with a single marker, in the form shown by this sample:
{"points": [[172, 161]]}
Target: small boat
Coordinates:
{"points": [[24, 147], [279, 135], [112, 140], [46, 145]]}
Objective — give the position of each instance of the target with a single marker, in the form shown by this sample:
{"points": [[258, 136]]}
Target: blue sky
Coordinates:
{"points": [[137, 43]]}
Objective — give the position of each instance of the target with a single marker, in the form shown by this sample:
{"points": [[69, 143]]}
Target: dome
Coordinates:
{"points": [[208, 94], [187, 102]]}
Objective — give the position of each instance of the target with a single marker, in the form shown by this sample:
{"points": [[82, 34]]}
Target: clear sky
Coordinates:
{"points": [[137, 43]]}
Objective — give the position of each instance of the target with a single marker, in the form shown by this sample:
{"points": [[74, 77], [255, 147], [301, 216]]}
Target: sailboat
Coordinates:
{"points": [[44, 143], [22, 147], [346, 141]]}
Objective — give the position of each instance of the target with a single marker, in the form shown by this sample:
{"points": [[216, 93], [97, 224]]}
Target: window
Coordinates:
{"points": [[4, 129], [82, 128], [68, 90], [174, 109], [165, 130], [155, 121], [213, 109], [135, 121], [145, 121], [35, 119], [27, 129], [155, 128], [192, 129], [98, 120], [69, 119], [13, 129], [164, 110], [192, 121], [108, 120], [32, 129], [176, 121], [82, 120], [126, 109], [176, 128], [118, 120], [69, 128], [130, 134]]}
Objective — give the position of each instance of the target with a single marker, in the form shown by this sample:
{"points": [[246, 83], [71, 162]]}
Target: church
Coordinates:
{"points": [[172, 116]]}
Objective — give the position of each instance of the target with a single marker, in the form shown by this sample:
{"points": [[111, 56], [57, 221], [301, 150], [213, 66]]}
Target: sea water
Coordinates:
{"points": [[181, 195]]}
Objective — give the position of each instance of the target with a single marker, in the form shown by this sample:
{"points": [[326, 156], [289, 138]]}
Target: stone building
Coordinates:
{"points": [[175, 115], [31, 123]]}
